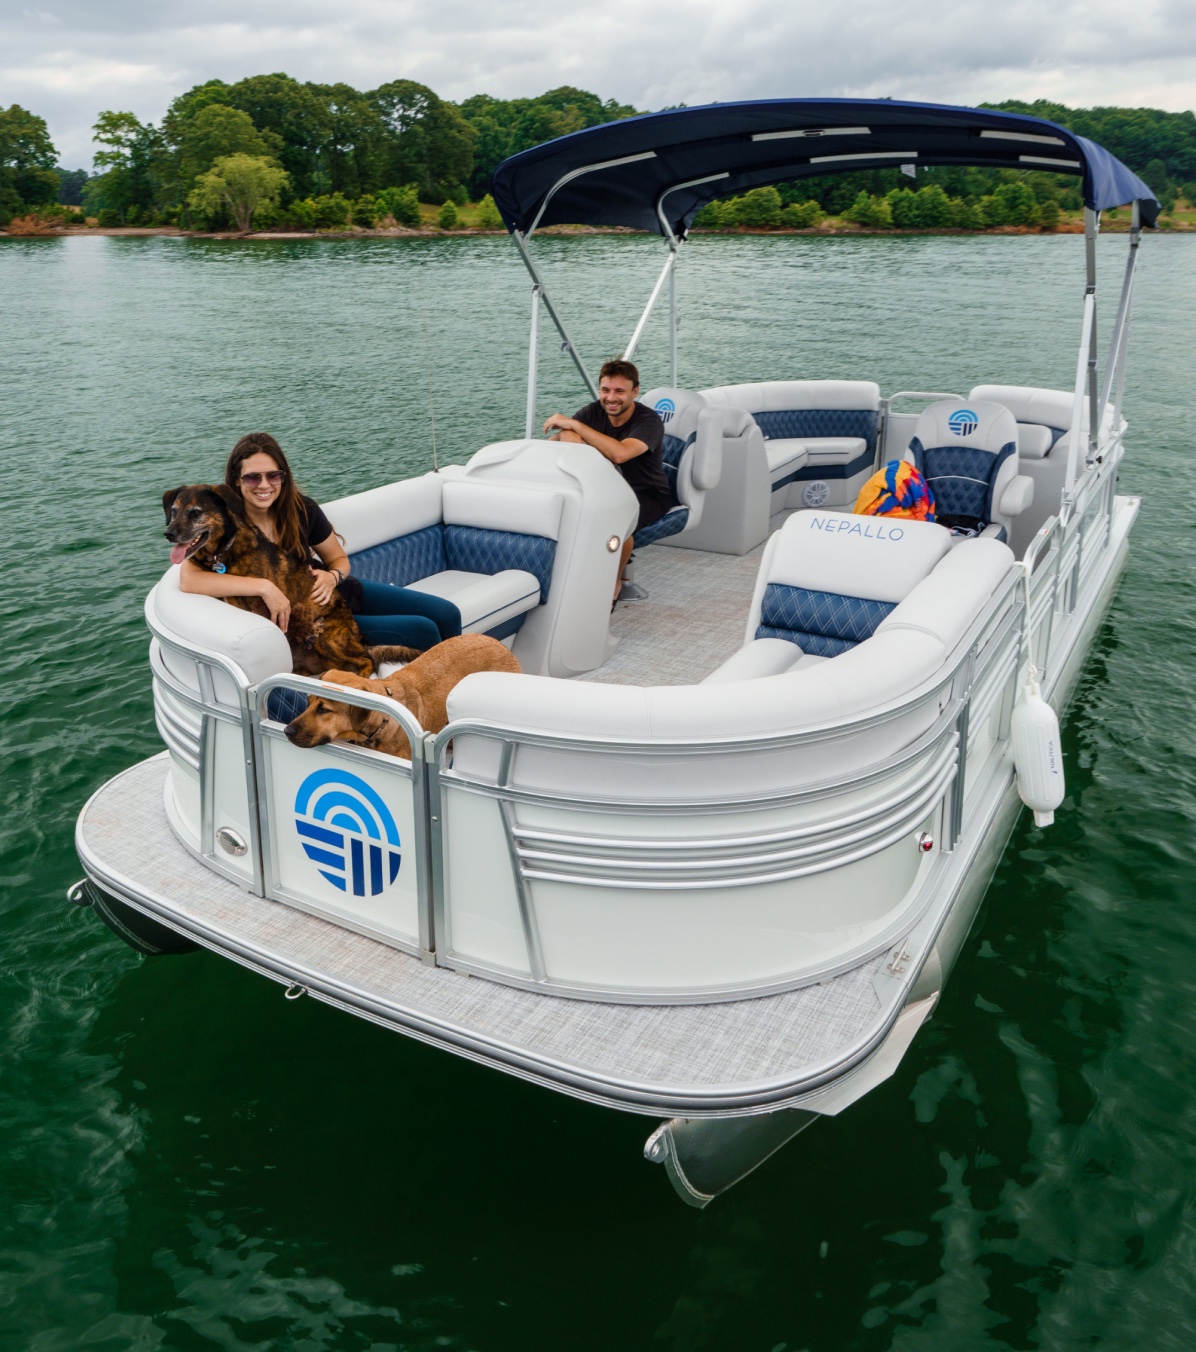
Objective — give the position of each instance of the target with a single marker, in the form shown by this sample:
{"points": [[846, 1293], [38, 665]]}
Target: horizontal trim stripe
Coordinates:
{"points": [[847, 471], [868, 155]]}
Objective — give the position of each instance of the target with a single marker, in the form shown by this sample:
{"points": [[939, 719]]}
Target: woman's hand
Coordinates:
{"points": [[276, 603], [324, 584]]}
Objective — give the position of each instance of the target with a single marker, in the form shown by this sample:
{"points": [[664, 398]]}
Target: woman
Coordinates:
{"points": [[258, 471]]}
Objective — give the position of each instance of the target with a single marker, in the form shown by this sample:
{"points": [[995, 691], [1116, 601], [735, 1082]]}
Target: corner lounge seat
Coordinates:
{"points": [[487, 548], [826, 583], [968, 454], [692, 455], [816, 431], [906, 648]]}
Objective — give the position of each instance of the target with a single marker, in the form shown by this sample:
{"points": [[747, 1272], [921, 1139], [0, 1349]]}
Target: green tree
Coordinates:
{"points": [[488, 214], [869, 210], [217, 130], [277, 103], [761, 207], [27, 158], [402, 204], [241, 184], [903, 208], [933, 208], [448, 219], [801, 215], [428, 141], [130, 151], [365, 211], [1049, 215], [504, 127]]}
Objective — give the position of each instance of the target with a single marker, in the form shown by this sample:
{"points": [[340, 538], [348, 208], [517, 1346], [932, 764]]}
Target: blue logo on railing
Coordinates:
{"points": [[963, 422], [348, 832], [666, 408]]}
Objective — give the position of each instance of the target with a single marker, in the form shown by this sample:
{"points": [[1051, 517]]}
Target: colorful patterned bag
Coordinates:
{"points": [[897, 489]]}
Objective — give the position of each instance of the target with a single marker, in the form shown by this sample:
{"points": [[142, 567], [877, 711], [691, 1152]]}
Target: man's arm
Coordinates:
{"points": [[615, 451]]}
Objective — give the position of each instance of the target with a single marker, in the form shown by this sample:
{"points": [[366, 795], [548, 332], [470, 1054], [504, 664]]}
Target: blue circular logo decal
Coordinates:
{"points": [[666, 408], [963, 422], [348, 832]]}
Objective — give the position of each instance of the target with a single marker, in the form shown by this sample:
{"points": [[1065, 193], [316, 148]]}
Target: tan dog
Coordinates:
{"points": [[423, 687]]}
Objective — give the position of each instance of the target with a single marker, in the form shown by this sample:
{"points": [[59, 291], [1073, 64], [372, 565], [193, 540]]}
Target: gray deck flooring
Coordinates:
{"points": [[692, 621], [741, 1044]]}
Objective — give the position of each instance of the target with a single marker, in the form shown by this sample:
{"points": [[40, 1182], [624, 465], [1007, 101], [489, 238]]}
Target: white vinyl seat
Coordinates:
{"points": [[817, 432], [692, 454], [826, 583], [968, 455]]}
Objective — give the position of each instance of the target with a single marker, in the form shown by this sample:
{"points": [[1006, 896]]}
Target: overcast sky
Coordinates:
{"points": [[68, 59]]}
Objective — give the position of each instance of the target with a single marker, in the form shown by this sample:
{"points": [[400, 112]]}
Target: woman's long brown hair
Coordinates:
{"points": [[285, 510]]}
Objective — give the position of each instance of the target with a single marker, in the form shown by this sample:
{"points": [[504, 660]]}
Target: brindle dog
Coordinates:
{"points": [[206, 523]]}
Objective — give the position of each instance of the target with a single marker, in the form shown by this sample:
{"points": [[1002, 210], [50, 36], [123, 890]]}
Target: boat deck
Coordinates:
{"points": [[678, 1059], [692, 621]]}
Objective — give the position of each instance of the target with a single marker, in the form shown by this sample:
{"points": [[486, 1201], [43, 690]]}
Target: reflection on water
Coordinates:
{"points": [[188, 1161]]}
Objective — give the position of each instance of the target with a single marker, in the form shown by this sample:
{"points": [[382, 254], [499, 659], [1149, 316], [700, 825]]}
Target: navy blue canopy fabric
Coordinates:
{"points": [[657, 171]]}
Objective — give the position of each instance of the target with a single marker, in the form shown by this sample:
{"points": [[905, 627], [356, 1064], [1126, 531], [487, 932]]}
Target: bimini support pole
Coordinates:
{"points": [[1086, 361], [1091, 231], [666, 274], [540, 293], [1115, 362], [673, 328], [533, 355]]}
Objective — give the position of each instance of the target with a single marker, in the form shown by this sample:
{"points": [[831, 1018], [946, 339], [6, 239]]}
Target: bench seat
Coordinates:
{"points": [[487, 602]]}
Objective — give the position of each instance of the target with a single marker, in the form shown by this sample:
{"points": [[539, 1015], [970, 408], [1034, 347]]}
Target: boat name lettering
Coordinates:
{"points": [[869, 530]]}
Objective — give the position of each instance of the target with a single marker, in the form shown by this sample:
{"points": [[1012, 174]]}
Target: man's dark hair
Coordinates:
{"points": [[618, 369]]}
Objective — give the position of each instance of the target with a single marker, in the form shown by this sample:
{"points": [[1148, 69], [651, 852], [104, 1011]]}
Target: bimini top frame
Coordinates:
{"points": [[656, 172]]}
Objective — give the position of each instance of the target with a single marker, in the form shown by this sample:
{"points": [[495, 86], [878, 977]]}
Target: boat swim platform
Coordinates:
{"points": [[723, 1059]]}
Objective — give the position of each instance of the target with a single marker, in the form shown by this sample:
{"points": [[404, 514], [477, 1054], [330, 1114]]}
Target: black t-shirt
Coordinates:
{"points": [[644, 473], [314, 526]]}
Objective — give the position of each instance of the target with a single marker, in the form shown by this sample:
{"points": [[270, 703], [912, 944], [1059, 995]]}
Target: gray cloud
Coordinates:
{"points": [[68, 59]]}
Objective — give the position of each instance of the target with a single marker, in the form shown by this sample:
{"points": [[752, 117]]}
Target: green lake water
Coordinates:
{"points": [[189, 1161]]}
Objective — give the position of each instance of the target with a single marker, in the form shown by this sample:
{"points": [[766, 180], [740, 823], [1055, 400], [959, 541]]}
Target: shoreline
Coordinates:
{"points": [[841, 228]]}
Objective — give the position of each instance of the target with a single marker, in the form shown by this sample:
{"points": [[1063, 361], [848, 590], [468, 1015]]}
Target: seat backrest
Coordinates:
{"points": [[828, 579], [393, 533], [967, 453], [692, 452], [807, 408], [1043, 416], [489, 528]]}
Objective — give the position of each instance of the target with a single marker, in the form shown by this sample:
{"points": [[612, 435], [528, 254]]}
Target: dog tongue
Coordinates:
{"points": [[178, 553]]}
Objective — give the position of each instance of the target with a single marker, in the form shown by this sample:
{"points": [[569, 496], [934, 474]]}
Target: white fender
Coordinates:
{"points": [[1037, 753]]}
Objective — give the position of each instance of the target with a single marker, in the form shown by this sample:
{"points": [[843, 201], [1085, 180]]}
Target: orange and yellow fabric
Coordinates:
{"points": [[897, 489]]}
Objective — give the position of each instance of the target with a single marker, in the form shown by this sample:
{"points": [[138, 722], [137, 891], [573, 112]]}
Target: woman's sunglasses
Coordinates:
{"points": [[272, 476]]}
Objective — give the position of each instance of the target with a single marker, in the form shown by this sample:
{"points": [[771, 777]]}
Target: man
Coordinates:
{"points": [[630, 436]]}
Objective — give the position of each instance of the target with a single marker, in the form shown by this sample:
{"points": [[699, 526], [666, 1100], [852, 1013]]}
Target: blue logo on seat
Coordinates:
{"points": [[963, 422], [666, 408], [348, 832]]}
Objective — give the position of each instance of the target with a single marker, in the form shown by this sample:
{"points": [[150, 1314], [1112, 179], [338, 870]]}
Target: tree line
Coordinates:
{"points": [[271, 150]]}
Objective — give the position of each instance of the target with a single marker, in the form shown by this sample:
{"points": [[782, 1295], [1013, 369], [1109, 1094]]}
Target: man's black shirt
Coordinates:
{"points": [[644, 473]]}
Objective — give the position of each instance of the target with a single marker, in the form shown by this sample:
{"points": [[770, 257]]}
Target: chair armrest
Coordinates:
{"points": [[1018, 495]]}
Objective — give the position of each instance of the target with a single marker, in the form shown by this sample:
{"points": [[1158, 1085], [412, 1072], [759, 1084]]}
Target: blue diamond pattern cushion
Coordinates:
{"points": [[823, 624], [820, 422], [669, 524], [960, 477], [473, 549], [671, 452], [403, 560]]}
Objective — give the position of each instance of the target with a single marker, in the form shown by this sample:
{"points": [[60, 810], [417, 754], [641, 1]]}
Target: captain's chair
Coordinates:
{"points": [[967, 453], [693, 459]]}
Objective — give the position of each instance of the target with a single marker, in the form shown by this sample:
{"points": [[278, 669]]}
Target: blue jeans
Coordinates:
{"points": [[398, 615]]}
